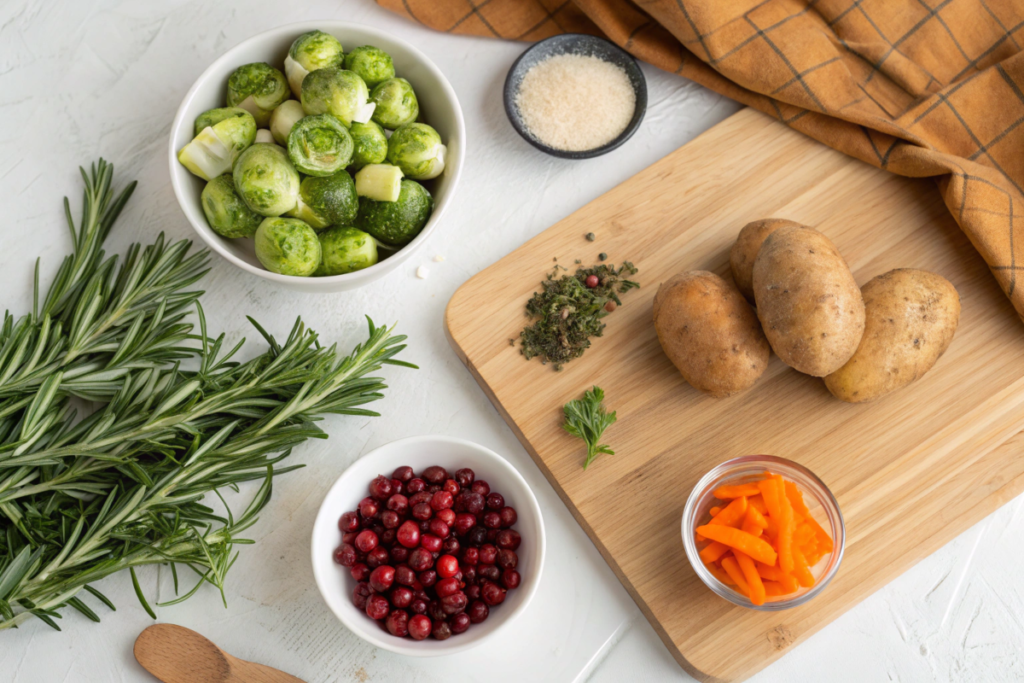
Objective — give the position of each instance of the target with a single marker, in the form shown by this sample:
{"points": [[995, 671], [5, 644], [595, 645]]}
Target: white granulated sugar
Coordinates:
{"points": [[576, 102]]}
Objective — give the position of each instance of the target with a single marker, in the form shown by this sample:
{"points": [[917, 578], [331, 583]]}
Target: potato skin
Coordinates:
{"points": [[809, 304], [744, 251], [912, 316], [710, 333]]}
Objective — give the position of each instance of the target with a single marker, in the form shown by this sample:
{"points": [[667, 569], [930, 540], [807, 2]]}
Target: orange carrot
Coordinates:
{"points": [[736, 490], [720, 574], [805, 533], [789, 583], [796, 499], [744, 542], [712, 552], [732, 514], [773, 589], [800, 569], [715, 510], [772, 530], [758, 502], [731, 568], [770, 573], [770, 493], [756, 588], [750, 525], [787, 527]]}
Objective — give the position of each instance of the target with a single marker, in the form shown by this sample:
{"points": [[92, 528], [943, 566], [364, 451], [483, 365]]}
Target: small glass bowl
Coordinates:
{"points": [[817, 496]]}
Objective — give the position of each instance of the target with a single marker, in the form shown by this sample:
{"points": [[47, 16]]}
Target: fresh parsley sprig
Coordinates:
{"points": [[587, 419]]}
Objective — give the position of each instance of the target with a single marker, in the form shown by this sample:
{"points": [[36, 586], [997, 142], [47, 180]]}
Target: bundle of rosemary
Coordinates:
{"points": [[83, 498]]}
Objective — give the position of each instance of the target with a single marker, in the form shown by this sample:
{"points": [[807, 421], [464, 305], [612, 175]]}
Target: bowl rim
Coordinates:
{"points": [[383, 639], [382, 267], [717, 474], [640, 88]]}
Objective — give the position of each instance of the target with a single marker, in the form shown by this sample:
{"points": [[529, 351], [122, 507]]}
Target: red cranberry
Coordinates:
{"points": [[420, 627], [446, 516], [447, 586], [471, 556], [592, 281], [418, 606], [366, 541], [401, 597], [430, 542], [489, 572], [495, 500], [427, 578], [421, 497], [345, 555], [508, 516], [460, 623], [422, 511], [368, 508], [420, 559], [396, 486], [435, 474], [442, 500], [439, 528], [488, 554], [398, 554], [380, 487], [463, 522], [349, 538], [390, 519], [451, 545], [507, 559], [398, 623], [468, 575], [447, 566], [403, 473], [398, 503], [492, 536], [414, 486], [359, 571], [377, 607], [477, 536], [480, 486], [454, 603], [511, 579], [492, 520], [475, 503], [348, 522], [442, 631], [387, 537], [473, 592], [408, 534], [465, 477], [381, 578], [435, 611], [451, 486], [478, 612], [361, 594], [508, 538], [404, 575], [377, 557], [492, 594]]}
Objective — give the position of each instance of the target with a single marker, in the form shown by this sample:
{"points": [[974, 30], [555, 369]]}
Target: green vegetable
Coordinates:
{"points": [[371, 144], [320, 145], [587, 419], [416, 149], [345, 250], [396, 103], [396, 223], [337, 92], [287, 114], [225, 211], [123, 487], [327, 201], [258, 88], [380, 182], [372, 64], [266, 180], [309, 52], [214, 116], [287, 246], [216, 148]]}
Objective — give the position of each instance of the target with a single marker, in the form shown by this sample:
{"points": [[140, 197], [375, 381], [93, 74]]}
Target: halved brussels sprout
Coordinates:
{"points": [[380, 182], [287, 246], [327, 201], [320, 145], [371, 63], [416, 148], [396, 223], [225, 211], [258, 88], [371, 144], [396, 103], [337, 92], [212, 117], [287, 114], [309, 52], [345, 250], [265, 136], [216, 148], [266, 180]]}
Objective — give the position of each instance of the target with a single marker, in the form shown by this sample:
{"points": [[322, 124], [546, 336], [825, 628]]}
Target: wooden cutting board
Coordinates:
{"points": [[910, 470]]}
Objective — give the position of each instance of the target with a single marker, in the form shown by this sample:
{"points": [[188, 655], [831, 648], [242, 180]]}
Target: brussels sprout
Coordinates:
{"points": [[258, 88], [396, 223], [371, 144], [287, 246], [216, 148], [371, 63], [225, 211], [311, 51], [337, 92], [416, 149], [396, 103], [327, 201], [345, 250], [266, 180], [214, 116], [283, 118], [265, 136], [380, 182], [320, 145]]}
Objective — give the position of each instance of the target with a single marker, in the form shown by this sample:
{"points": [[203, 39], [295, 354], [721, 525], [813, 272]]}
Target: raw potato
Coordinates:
{"points": [[912, 316], [808, 302], [744, 251], [710, 333]]}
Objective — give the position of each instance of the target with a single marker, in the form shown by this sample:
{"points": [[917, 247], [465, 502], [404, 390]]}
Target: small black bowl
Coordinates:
{"points": [[577, 44]]}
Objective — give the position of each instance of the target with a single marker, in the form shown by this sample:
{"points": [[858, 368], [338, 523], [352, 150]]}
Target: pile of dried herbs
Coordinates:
{"points": [[569, 312]]}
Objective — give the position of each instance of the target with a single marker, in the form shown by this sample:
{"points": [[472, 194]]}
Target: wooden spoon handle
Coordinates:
{"points": [[251, 672]]}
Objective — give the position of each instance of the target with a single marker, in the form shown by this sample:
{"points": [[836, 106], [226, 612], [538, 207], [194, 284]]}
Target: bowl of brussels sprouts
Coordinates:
{"points": [[319, 156]]}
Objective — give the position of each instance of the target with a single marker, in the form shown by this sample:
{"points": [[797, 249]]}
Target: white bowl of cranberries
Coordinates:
{"points": [[428, 545]]}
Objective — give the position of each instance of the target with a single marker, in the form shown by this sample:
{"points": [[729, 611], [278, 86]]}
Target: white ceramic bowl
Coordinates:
{"points": [[438, 104], [336, 583]]}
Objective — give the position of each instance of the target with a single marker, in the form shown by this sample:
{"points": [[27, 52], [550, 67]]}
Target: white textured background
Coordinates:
{"points": [[80, 79]]}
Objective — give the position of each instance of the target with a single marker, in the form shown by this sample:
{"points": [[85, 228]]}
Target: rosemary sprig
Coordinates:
{"points": [[587, 419]]}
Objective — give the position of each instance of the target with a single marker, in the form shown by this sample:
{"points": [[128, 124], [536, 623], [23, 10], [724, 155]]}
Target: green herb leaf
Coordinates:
{"points": [[587, 419]]}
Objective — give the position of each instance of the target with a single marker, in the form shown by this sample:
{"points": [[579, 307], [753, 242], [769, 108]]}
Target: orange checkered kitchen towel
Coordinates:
{"points": [[917, 87]]}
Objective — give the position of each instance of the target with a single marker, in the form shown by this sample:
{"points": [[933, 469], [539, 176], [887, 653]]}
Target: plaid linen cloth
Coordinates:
{"points": [[917, 87]]}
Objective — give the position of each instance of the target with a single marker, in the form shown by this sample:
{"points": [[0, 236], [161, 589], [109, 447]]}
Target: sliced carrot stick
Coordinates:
{"points": [[734, 538], [787, 527], [712, 552], [756, 517], [732, 514], [758, 502], [736, 490], [800, 569], [772, 530], [796, 499], [732, 568], [720, 574], [770, 493], [756, 592], [805, 533], [770, 573], [715, 510], [773, 589], [789, 583], [750, 523]]}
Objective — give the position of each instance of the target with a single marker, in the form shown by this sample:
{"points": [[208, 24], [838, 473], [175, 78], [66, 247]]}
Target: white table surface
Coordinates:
{"points": [[83, 79]]}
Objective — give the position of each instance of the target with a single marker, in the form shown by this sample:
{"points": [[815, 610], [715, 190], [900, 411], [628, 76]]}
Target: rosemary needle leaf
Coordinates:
{"points": [[586, 418]]}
